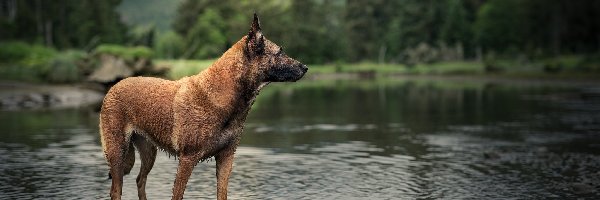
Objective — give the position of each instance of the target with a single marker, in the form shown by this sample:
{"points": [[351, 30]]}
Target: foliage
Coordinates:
{"points": [[26, 55], [13, 51], [169, 45], [22, 61], [206, 39], [536, 34], [495, 29], [182, 68], [68, 24], [322, 31], [66, 67], [153, 12], [142, 35], [456, 28], [128, 53]]}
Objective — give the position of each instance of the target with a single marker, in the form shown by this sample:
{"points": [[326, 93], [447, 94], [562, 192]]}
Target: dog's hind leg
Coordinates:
{"points": [[147, 155], [114, 144]]}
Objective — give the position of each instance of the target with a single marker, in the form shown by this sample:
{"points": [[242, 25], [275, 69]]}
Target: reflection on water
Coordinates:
{"points": [[346, 139]]}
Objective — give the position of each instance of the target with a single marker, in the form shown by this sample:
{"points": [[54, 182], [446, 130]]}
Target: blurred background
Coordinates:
{"points": [[428, 99], [523, 38]]}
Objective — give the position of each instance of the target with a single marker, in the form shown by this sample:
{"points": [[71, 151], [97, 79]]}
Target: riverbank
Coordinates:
{"points": [[367, 70], [25, 95], [534, 71], [18, 96]]}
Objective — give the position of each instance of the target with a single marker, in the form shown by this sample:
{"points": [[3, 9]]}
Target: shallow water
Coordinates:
{"points": [[348, 139]]}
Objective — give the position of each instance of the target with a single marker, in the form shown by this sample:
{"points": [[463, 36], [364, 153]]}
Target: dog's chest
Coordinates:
{"points": [[231, 134]]}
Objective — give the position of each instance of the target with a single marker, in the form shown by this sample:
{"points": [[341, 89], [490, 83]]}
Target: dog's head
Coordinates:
{"points": [[268, 60]]}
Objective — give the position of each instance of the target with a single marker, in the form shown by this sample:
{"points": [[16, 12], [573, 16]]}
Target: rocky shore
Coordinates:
{"points": [[17, 96]]}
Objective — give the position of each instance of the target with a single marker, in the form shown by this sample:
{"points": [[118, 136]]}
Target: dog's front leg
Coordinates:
{"points": [[186, 165], [224, 165]]}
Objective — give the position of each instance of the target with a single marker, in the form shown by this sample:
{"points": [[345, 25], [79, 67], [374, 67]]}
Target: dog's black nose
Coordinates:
{"points": [[304, 68]]}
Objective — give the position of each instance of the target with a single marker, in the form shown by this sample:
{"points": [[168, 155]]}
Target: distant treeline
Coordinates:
{"points": [[320, 31], [62, 23]]}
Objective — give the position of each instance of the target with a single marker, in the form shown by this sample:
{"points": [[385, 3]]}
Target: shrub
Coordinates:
{"points": [[591, 63], [128, 53], [38, 57], [207, 39], [22, 61], [25, 54], [140, 52], [13, 51], [169, 45], [182, 68], [66, 67]]}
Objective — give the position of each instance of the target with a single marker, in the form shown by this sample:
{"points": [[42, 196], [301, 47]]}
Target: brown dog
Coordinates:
{"points": [[194, 118]]}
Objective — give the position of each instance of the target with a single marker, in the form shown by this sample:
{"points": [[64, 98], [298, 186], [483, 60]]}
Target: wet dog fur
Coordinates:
{"points": [[193, 118]]}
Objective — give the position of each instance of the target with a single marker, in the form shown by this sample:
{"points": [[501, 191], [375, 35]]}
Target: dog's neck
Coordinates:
{"points": [[229, 79]]}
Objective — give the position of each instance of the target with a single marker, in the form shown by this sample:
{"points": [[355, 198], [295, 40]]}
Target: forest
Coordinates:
{"points": [[406, 32]]}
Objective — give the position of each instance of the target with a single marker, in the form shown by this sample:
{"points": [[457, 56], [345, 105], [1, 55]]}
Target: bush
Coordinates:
{"points": [[66, 67], [183, 68], [591, 63], [169, 45], [207, 39], [25, 54], [38, 57], [128, 53], [22, 61], [37, 63], [13, 51]]}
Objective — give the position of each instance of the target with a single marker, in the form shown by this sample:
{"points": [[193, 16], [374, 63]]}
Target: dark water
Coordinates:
{"points": [[347, 140]]}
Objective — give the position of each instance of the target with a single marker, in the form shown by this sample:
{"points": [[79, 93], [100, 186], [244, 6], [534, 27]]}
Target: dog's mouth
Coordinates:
{"points": [[302, 71], [299, 77], [288, 74]]}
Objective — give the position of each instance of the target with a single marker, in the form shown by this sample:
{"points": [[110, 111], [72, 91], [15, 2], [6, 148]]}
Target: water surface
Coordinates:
{"points": [[346, 139]]}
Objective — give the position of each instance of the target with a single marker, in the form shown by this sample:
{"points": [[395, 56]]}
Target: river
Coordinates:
{"points": [[346, 139]]}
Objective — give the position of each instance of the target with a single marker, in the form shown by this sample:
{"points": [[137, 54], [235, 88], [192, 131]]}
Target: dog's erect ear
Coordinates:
{"points": [[255, 41]]}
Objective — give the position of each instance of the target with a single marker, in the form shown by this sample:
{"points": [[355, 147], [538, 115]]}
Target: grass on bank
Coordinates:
{"points": [[569, 67], [182, 68], [21, 61], [440, 68]]}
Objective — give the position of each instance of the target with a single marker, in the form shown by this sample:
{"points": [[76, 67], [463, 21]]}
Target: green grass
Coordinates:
{"points": [[440, 68], [128, 53], [448, 68], [534, 70], [183, 68]]}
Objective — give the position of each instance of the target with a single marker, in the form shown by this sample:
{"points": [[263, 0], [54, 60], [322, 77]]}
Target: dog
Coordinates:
{"points": [[193, 118]]}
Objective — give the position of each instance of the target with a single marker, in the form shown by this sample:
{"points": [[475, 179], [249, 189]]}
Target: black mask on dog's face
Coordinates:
{"points": [[274, 64]]}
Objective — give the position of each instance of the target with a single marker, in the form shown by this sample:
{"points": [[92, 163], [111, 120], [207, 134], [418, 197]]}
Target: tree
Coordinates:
{"points": [[456, 28], [320, 37], [365, 21], [206, 39], [169, 45], [410, 24], [63, 23], [499, 25]]}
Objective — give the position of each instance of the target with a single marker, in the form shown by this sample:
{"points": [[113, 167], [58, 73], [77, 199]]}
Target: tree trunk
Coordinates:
{"points": [[38, 18], [556, 28], [48, 30], [12, 10], [382, 51]]}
